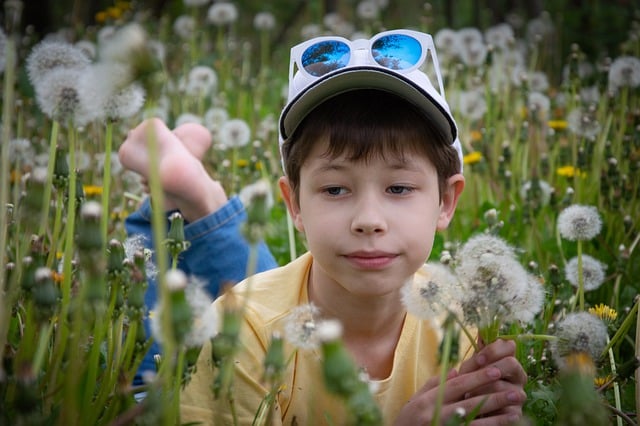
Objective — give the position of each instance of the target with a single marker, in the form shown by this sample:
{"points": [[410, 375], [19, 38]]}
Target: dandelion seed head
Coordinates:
{"points": [[187, 117], [88, 48], [91, 210], [447, 41], [329, 330], [432, 292], [482, 244], [50, 55], [258, 190], [578, 332], [21, 151], [300, 327], [624, 72], [367, 10], [175, 279], [579, 222], [499, 36], [582, 122], [206, 321], [202, 81], [540, 104], [125, 103], [472, 104], [538, 81], [135, 244], [530, 302], [593, 272], [124, 44], [264, 21], [473, 54], [222, 14], [58, 96], [235, 133], [310, 31], [542, 191], [184, 26]]}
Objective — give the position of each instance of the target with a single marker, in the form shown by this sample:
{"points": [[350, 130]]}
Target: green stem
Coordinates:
{"points": [[106, 181], [616, 386], [43, 346], [444, 367], [177, 383], [46, 202], [6, 299], [527, 336], [624, 327]]}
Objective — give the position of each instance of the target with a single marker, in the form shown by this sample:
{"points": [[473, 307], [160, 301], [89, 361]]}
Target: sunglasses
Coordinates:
{"points": [[402, 51]]}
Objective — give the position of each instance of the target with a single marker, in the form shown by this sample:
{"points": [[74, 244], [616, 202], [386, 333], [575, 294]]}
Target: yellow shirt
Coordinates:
{"points": [[303, 399]]}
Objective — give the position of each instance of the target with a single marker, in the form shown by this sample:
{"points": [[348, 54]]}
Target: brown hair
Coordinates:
{"points": [[364, 124]]}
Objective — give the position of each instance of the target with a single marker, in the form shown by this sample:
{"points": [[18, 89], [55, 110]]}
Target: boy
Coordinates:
{"points": [[372, 169]]}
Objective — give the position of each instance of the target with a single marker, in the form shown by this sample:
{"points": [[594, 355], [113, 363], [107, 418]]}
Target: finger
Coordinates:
{"points": [[507, 402], [461, 385], [497, 420], [489, 354]]}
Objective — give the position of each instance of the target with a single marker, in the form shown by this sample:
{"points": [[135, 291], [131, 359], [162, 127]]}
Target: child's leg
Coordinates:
{"points": [[184, 180]]}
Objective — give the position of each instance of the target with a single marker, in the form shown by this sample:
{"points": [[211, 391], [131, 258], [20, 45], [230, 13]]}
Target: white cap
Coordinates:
{"points": [[307, 92]]}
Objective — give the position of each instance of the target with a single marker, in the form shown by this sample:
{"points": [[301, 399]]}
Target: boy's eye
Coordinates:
{"points": [[334, 190], [399, 189]]}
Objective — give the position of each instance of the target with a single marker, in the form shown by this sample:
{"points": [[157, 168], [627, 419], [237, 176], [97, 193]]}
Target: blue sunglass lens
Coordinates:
{"points": [[397, 51], [325, 56]]}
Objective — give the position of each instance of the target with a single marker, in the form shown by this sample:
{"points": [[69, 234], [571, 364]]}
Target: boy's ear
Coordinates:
{"points": [[292, 203], [450, 196]]}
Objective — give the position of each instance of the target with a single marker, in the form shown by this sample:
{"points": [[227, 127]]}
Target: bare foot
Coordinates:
{"points": [[196, 138], [184, 180]]}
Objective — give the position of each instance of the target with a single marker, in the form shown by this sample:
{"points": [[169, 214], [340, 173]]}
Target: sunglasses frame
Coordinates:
{"points": [[425, 40]]}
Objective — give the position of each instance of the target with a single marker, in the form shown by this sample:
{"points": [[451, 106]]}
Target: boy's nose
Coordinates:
{"points": [[368, 219]]}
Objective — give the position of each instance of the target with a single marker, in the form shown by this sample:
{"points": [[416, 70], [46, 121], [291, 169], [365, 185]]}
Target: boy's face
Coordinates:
{"points": [[370, 225]]}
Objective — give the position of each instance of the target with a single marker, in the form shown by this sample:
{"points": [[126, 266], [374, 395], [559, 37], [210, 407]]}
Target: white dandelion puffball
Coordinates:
{"points": [[579, 222], [300, 327], [578, 332], [593, 272], [235, 133]]}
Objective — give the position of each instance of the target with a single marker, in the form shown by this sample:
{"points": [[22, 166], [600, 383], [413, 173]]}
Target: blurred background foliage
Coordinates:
{"points": [[598, 26]]}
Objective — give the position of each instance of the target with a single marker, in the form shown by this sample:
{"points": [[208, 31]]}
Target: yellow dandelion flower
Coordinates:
{"points": [[242, 162], [15, 176], [123, 5], [119, 215], [57, 277], [114, 12], [599, 382], [523, 112], [92, 190], [604, 312], [476, 135], [101, 17], [472, 157], [570, 171], [259, 166], [557, 124]]}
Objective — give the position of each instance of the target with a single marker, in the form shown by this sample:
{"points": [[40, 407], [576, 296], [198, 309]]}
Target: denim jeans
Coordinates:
{"points": [[217, 255]]}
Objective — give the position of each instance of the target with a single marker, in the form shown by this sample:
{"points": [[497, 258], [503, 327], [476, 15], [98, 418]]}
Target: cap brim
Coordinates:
{"points": [[364, 77]]}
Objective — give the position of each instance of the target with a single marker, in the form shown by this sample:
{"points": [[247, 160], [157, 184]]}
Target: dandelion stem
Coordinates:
{"points": [[444, 367], [46, 202], [7, 108], [616, 386], [527, 336], [106, 180], [624, 327]]}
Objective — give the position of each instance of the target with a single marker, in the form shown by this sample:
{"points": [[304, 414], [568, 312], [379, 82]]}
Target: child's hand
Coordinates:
{"points": [[492, 379]]}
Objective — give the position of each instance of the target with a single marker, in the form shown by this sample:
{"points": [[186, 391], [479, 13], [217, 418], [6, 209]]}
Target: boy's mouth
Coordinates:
{"points": [[370, 259]]}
